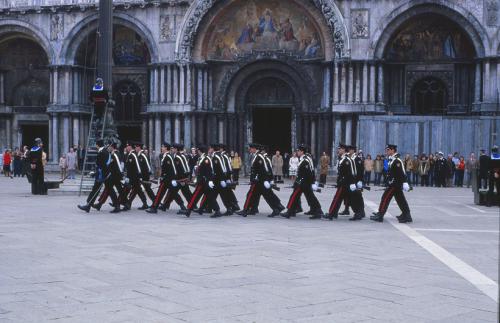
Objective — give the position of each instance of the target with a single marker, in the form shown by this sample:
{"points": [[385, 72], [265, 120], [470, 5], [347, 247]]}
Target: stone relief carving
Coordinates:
{"points": [[491, 12], [56, 27], [203, 6], [360, 23], [168, 28]]}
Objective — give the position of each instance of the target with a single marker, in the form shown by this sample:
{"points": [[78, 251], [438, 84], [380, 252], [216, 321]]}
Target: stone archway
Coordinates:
{"points": [[429, 96]]}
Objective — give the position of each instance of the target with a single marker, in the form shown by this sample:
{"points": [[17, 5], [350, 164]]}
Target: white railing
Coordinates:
{"points": [[51, 3]]}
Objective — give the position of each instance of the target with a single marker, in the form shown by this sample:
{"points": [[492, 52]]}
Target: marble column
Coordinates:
{"points": [[326, 87], [187, 131], [477, 83], [380, 94], [486, 81], [199, 89], [205, 88], [313, 135], [177, 129], [2, 88], [351, 84], [167, 128], [364, 96], [209, 90], [56, 86], [65, 134], [51, 157], [169, 83], [182, 80], [151, 86], [220, 129], [144, 131], [157, 145], [8, 130], [357, 80], [372, 83], [55, 138], [151, 132], [343, 80], [348, 130], [336, 79], [76, 130], [175, 87], [497, 94], [67, 86], [162, 84], [188, 84]]}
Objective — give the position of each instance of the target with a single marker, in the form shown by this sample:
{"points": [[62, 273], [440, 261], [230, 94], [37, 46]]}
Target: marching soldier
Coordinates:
{"points": [[167, 178], [357, 195], [37, 171], [258, 175], [396, 184], [267, 192], [204, 183], [113, 181], [346, 182], [304, 183], [230, 192], [494, 177], [145, 171], [132, 180], [183, 178], [101, 174]]}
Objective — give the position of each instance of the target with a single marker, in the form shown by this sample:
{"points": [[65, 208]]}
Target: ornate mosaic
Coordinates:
{"points": [[258, 25]]}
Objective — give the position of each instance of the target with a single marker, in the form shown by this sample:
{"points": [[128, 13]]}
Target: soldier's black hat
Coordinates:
{"points": [[128, 143], [114, 145], [38, 141], [222, 146], [391, 146], [166, 145], [138, 144], [254, 145], [264, 148], [99, 142], [178, 146], [202, 148], [215, 146], [351, 147], [302, 147]]}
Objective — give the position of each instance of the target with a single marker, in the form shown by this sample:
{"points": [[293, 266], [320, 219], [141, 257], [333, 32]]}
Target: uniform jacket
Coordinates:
{"points": [[258, 168], [133, 167], [396, 175], [424, 167], [360, 167], [346, 171], [35, 157], [168, 169], [101, 163], [145, 165], [305, 172], [182, 166], [269, 170], [219, 167], [115, 167], [484, 161], [204, 169], [229, 167]]}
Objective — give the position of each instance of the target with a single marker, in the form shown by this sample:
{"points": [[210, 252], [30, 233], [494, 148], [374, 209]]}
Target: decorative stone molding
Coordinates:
{"points": [[198, 10]]}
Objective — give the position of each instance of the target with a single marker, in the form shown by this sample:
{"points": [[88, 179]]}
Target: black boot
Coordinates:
{"points": [[316, 215], [152, 210], [275, 213], [345, 212], [115, 210], [228, 212], [162, 207], [216, 214], [356, 217], [405, 218], [288, 214], [85, 208], [243, 213], [253, 211], [330, 216], [143, 207], [127, 206], [377, 216], [97, 206]]}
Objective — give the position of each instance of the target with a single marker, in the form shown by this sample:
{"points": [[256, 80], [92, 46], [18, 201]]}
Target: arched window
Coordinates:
{"points": [[429, 96]]}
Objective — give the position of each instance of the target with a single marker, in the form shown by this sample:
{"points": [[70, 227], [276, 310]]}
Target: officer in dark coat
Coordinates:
{"points": [[37, 171], [258, 176], [304, 183], [230, 192], [113, 181], [145, 171], [396, 183], [441, 168], [168, 177], [357, 195], [101, 174], [183, 172], [205, 185], [346, 181], [494, 178], [484, 164], [132, 179]]}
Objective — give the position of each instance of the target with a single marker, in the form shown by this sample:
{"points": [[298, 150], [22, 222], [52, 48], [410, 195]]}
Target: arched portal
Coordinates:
{"points": [[127, 112], [429, 97]]}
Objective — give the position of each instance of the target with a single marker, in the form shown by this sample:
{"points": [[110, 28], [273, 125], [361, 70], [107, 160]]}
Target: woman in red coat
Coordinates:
{"points": [[7, 160]]}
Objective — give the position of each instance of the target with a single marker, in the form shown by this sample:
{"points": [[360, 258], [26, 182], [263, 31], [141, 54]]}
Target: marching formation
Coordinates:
{"points": [[212, 178]]}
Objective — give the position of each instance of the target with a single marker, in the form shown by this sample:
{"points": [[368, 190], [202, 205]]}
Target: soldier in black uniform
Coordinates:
{"points": [[441, 170], [267, 192], [37, 171], [113, 181], [346, 182], [304, 183], [230, 192], [101, 174], [396, 184], [168, 177], [204, 183], [183, 178], [132, 180], [258, 175], [357, 195], [494, 178], [145, 171]]}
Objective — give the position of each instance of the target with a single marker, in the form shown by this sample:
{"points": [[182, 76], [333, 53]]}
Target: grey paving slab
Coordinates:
{"points": [[60, 264]]}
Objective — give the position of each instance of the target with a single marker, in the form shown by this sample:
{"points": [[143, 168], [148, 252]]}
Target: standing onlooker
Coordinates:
{"points": [[1, 161], [236, 166], [294, 164], [432, 165], [193, 159], [415, 163], [369, 165], [324, 162], [459, 172], [17, 163], [423, 170], [456, 160], [72, 163], [451, 170], [286, 165], [25, 161], [441, 170], [63, 165], [470, 168], [277, 163], [408, 168], [7, 160], [484, 162], [81, 156], [378, 168]]}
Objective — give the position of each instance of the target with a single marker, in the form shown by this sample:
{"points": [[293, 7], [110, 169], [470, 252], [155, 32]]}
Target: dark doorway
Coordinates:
{"points": [[429, 96], [273, 127], [129, 133], [30, 132]]}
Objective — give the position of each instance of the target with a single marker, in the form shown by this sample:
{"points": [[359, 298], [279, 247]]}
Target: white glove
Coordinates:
{"points": [[267, 185], [228, 182], [223, 184], [174, 183], [314, 187], [211, 184], [359, 184], [406, 187], [352, 187], [126, 180], [272, 182]]}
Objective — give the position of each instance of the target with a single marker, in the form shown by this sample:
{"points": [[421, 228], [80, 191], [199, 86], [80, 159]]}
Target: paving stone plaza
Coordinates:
{"points": [[59, 264]]}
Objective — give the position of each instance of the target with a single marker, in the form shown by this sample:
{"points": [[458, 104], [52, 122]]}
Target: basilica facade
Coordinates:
{"points": [[424, 75]]}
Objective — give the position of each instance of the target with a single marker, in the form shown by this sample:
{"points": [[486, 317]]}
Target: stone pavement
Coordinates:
{"points": [[61, 264]]}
